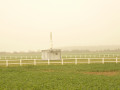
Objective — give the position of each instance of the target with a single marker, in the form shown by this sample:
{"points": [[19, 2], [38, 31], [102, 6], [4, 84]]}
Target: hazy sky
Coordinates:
{"points": [[26, 24]]}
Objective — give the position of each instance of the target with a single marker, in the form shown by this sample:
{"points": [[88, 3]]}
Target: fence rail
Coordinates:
{"points": [[5, 57], [62, 61]]}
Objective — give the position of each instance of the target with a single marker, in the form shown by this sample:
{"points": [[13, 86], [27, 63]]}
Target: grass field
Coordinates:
{"points": [[61, 77]]}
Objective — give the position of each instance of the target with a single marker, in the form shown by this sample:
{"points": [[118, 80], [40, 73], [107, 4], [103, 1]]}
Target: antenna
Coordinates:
{"points": [[51, 41]]}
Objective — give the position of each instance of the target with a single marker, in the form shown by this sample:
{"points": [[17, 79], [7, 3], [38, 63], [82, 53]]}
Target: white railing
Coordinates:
{"points": [[92, 56], [64, 56], [62, 61]]}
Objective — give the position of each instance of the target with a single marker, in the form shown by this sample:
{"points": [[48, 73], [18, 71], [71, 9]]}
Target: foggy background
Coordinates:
{"points": [[26, 24]]}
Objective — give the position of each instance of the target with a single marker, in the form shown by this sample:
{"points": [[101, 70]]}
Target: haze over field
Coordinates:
{"points": [[91, 48], [26, 24]]}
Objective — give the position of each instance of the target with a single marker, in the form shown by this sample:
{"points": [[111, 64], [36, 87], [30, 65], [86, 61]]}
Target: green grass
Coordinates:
{"points": [[60, 77]]}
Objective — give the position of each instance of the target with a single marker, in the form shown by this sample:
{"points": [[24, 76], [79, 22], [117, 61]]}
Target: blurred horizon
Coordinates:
{"points": [[100, 48]]}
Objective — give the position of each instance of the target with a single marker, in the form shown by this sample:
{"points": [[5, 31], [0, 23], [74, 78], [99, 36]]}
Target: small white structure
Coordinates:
{"points": [[51, 54]]}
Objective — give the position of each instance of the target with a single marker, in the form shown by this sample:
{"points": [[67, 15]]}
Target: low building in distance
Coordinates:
{"points": [[51, 54]]}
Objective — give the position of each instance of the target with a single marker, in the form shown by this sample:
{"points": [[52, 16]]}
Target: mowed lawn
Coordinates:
{"points": [[61, 77]]}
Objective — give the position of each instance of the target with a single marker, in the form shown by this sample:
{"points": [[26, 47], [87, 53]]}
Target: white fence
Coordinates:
{"points": [[65, 56], [62, 61], [20, 57], [92, 56]]}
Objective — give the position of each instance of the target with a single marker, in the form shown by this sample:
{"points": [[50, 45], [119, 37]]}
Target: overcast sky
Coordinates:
{"points": [[26, 24]]}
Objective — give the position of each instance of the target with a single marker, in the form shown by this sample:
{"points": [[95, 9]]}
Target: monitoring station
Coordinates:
{"points": [[51, 54]]}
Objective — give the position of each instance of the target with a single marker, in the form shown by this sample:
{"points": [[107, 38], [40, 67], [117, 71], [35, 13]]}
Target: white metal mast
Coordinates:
{"points": [[51, 41]]}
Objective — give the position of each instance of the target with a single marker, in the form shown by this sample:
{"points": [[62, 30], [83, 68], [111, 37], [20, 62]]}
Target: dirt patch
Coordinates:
{"points": [[103, 73], [48, 70]]}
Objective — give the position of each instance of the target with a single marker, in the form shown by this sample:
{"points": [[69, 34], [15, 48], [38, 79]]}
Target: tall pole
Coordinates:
{"points": [[51, 42]]}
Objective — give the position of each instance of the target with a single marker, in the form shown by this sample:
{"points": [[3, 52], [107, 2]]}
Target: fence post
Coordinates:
{"points": [[103, 60], [48, 61], [62, 61], [88, 60], [75, 61], [20, 62], [34, 61], [116, 60], [6, 63]]}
